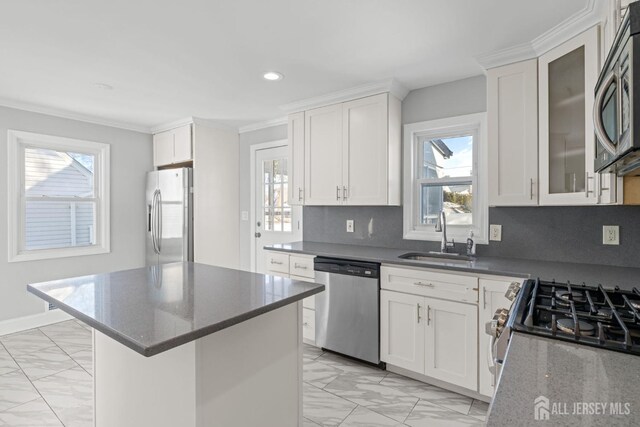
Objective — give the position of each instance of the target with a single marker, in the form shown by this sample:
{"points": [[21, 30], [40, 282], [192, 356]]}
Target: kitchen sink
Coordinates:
{"points": [[437, 256]]}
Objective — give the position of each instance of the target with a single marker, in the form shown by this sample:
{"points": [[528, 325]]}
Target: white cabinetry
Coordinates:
{"points": [[512, 119], [567, 79], [491, 299], [173, 146], [424, 326], [352, 153], [402, 333], [296, 267], [296, 159], [451, 346]]}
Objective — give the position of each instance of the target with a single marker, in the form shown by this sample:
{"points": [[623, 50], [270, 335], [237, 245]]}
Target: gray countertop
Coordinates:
{"points": [[591, 274], [154, 309], [568, 375]]}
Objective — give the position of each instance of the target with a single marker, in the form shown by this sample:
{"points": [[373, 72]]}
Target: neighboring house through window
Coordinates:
{"points": [[444, 171], [58, 197]]}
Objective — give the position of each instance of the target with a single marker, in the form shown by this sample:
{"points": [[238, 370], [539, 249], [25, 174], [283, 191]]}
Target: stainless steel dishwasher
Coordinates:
{"points": [[348, 311]]}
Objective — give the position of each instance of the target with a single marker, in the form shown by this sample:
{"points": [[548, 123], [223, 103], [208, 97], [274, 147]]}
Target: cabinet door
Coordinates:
{"points": [[568, 75], [182, 145], [323, 156], [491, 299], [451, 348], [512, 119], [402, 332], [296, 159], [163, 148], [365, 151]]}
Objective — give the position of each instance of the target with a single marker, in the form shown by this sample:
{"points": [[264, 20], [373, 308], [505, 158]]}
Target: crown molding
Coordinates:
{"points": [[263, 125], [509, 55], [389, 85], [584, 19], [64, 114], [189, 120], [570, 27]]}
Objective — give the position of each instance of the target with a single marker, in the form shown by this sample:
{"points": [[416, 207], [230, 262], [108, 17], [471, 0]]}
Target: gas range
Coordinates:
{"points": [[595, 316], [607, 318]]}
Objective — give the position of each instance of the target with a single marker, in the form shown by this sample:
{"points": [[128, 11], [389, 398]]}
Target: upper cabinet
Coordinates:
{"points": [[568, 75], [173, 146], [296, 159], [352, 153], [512, 122]]}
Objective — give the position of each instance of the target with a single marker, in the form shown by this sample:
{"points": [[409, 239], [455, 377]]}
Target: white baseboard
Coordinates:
{"points": [[34, 321]]}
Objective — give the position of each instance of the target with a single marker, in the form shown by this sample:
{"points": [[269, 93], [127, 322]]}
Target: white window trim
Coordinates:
{"points": [[16, 141], [476, 123]]}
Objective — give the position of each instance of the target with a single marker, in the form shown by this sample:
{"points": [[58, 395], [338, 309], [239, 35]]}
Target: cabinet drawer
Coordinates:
{"points": [[278, 262], [429, 283], [308, 324], [301, 266]]}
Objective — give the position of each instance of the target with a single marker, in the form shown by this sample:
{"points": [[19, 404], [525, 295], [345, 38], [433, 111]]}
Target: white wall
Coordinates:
{"points": [[131, 158], [456, 98], [248, 139]]}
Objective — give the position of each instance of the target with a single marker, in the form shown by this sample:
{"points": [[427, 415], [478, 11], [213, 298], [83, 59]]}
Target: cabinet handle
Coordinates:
{"points": [[586, 184], [601, 189], [300, 266], [337, 192], [428, 314], [484, 297], [428, 285], [299, 194], [344, 193], [418, 311], [276, 262], [531, 189]]}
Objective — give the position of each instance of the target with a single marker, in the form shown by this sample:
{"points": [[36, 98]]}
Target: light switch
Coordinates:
{"points": [[244, 215]]}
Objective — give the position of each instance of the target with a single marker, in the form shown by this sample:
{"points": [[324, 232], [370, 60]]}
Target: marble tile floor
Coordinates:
{"points": [[46, 380]]}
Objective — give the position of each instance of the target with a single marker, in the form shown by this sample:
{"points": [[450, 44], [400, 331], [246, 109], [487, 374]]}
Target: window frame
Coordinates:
{"points": [[473, 124], [17, 141]]}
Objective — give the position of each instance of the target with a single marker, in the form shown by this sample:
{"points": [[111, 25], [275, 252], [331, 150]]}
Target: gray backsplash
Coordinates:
{"points": [[570, 234]]}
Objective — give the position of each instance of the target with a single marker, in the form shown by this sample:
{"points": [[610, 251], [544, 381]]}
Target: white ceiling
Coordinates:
{"points": [[171, 59]]}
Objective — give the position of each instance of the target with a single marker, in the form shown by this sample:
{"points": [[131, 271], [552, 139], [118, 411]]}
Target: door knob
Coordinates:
{"points": [[258, 235]]}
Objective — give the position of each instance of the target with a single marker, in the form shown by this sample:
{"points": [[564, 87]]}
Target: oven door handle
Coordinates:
{"points": [[597, 116]]}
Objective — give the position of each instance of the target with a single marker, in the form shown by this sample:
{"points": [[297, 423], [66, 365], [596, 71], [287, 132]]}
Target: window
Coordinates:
{"points": [[277, 212], [444, 171], [58, 197]]}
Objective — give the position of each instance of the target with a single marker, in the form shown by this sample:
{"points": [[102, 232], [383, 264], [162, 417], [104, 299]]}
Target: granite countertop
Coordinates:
{"points": [[154, 309], [568, 375], [591, 274]]}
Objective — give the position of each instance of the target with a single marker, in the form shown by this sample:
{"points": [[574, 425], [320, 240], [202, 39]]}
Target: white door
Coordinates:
{"points": [[452, 342], [512, 122], [491, 299], [365, 151], [323, 156], [275, 220], [402, 332]]}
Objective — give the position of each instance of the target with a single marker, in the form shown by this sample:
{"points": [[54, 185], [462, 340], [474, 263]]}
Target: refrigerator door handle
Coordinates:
{"points": [[159, 237], [154, 221]]}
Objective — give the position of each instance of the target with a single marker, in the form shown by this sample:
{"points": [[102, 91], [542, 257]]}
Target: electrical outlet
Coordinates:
{"points": [[610, 235], [350, 226], [495, 232]]}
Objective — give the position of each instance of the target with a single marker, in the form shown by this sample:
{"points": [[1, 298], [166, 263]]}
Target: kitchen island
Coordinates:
{"points": [[186, 344]]}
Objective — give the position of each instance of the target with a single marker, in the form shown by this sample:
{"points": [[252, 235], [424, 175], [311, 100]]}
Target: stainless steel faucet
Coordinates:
{"points": [[441, 226]]}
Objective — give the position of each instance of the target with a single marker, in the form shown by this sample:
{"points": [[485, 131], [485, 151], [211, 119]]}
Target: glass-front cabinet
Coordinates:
{"points": [[567, 78]]}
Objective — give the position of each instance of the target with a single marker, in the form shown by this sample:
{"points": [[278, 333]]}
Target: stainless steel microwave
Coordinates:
{"points": [[617, 101]]}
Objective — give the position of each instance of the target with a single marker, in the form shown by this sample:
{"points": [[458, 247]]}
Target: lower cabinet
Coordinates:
{"points": [[451, 346], [296, 267], [402, 333], [430, 336]]}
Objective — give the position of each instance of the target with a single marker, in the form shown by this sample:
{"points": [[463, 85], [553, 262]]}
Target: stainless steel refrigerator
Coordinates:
{"points": [[169, 216]]}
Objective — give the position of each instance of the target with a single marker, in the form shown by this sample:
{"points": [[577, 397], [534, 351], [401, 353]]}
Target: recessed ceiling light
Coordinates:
{"points": [[103, 86], [273, 76]]}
